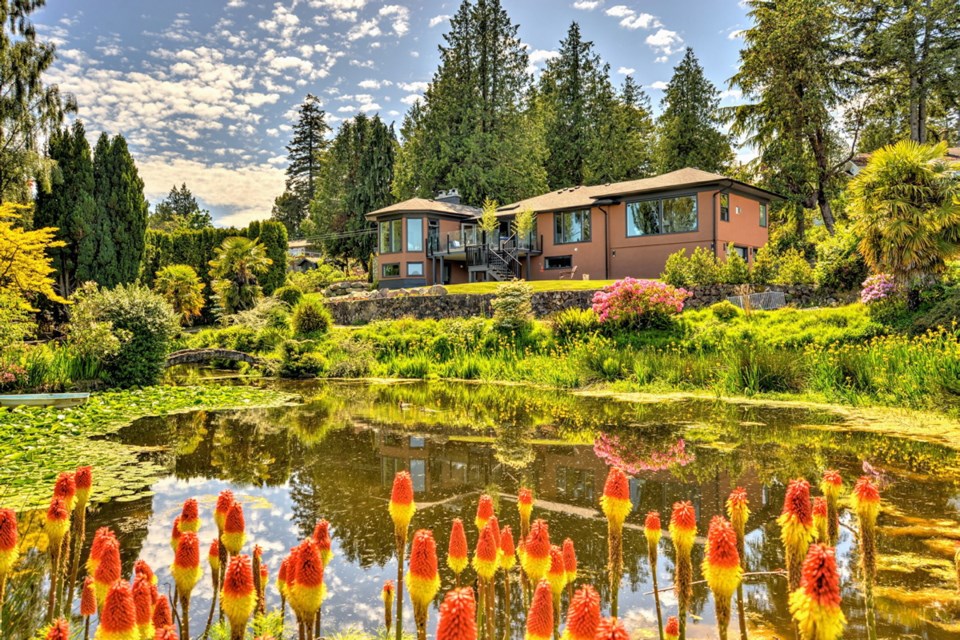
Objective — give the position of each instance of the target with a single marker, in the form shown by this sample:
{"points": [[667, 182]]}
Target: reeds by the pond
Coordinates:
{"points": [[135, 610]]}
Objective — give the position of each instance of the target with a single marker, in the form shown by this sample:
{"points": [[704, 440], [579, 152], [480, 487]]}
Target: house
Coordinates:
{"points": [[302, 248], [600, 232]]}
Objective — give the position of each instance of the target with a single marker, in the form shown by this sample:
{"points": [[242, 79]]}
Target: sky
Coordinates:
{"points": [[205, 92]]}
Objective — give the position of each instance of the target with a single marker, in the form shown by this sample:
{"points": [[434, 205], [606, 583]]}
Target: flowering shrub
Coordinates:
{"points": [[638, 303], [877, 288], [633, 456], [11, 375]]}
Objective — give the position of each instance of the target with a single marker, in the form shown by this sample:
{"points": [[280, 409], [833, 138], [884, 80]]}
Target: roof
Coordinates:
{"points": [[575, 197], [952, 156], [421, 205], [298, 244]]}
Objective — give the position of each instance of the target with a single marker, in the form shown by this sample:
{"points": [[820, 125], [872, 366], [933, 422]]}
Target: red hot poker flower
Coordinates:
{"points": [[583, 616], [815, 606], [616, 497], [556, 574], [60, 630], [143, 606], [162, 616], [66, 489], [190, 516], [224, 502], [321, 535], [83, 479], [797, 502], [458, 616], [9, 537], [683, 525], [540, 617], [234, 529], [866, 498], [536, 551], [175, 534], [58, 520], [484, 511], [402, 506], [96, 548], [238, 597], [108, 569], [88, 599], [423, 577], [166, 633], [672, 630], [118, 616], [611, 629], [569, 560], [141, 568], [457, 549], [508, 552]]}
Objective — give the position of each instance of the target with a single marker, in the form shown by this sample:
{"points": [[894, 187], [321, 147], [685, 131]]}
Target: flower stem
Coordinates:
{"points": [[401, 549]]}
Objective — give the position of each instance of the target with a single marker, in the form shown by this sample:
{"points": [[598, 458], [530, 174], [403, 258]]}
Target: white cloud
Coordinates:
{"points": [[626, 71], [413, 86], [736, 34], [370, 107], [662, 59], [410, 99], [630, 19], [235, 4], [435, 20], [734, 94], [373, 84], [400, 16], [620, 11], [665, 41], [586, 5], [659, 85], [347, 108], [366, 29], [538, 57]]}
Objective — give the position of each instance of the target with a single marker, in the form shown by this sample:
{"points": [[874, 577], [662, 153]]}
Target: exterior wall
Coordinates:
{"points": [[744, 228], [588, 257]]}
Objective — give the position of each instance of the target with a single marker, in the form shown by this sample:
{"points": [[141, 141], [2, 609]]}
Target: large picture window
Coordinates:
{"points": [[414, 234], [571, 226], [664, 215], [391, 236]]}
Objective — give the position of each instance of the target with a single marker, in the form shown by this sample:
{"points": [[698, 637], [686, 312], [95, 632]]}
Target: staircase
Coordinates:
{"points": [[502, 264]]}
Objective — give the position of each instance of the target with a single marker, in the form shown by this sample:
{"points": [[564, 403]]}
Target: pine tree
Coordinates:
{"points": [[121, 225], [474, 133], [690, 134], [356, 179], [179, 210], [626, 140], [69, 206], [579, 107], [304, 153]]}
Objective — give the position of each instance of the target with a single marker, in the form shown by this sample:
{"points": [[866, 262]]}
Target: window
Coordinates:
{"points": [[571, 226], [414, 234], [391, 270], [742, 251], [679, 214], [390, 236], [643, 218], [414, 269], [725, 207], [763, 215], [558, 262]]}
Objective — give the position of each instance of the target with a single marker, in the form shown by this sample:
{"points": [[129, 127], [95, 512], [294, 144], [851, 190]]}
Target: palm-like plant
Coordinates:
{"points": [[906, 208], [182, 288], [235, 268]]}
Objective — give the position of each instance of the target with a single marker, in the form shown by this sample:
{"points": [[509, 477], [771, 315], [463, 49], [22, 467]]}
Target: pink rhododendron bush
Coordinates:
{"points": [[638, 304]]}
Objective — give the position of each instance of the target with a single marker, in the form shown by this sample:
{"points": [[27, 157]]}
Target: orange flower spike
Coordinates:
{"points": [[118, 615], [615, 501], [652, 529], [796, 527], [672, 629], [9, 542], [536, 551], [583, 615], [283, 576], [401, 505], [175, 534], [224, 502], [484, 511], [525, 507], [168, 632], [234, 529], [815, 606], [213, 557], [108, 569], [721, 564], [457, 548], [307, 589], [65, 488], [738, 510], [58, 521], [141, 568], [387, 595], [683, 526], [59, 630], [321, 535], [190, 516], [556, 575], [143, 606], [569, 560], [611, 629], [866, 499], [83, 479], [508, 552], [458, 616], [186, 569], [820, 522], [423, 578], [540, 616], [96, 548], [238, 597], [831, 484], [162, 617], [88, 599]]}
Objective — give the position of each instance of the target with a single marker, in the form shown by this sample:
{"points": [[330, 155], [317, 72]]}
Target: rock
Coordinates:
{"points": [[437, 290]]}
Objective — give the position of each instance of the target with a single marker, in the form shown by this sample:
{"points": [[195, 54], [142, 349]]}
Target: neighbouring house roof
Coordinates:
{"points": [[952, 157], [298, 244], [576, 197], [422, 205]]}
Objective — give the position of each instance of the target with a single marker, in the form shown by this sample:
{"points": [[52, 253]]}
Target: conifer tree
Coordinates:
{"points": [[304, 154], [689, 124], [626, 140], [179, 210]]}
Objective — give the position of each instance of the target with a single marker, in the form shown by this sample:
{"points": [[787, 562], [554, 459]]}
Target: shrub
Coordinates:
{"points": [[180, 285], [725, 311], [703, 268], [145, 324], [945, 313], [571, 325], [877, 288], [15, 322], [291, 296], [315, 280], [676, 271], [840, 265], [512, 311], [735, 269], [311, 319], [268, 313], [793, 269], [638, 304], [89, 336], [764, 266], [298, 360]]}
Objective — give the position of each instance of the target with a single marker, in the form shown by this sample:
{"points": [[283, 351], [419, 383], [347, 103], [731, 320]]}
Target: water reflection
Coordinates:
{"points": [[335, 457]]}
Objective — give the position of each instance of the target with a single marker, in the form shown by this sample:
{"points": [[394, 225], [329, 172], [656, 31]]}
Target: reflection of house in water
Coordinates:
{"points": [[567, 475]]}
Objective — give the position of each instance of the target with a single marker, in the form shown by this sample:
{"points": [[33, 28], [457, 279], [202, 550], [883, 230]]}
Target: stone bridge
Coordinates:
{"points": [[197, 356]]}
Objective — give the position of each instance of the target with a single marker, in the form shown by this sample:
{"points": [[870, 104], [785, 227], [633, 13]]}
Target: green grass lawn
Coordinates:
{"points": [[538, 285]]}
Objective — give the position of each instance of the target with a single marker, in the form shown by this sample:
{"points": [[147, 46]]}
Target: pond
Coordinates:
{"points": [[335, 457]]}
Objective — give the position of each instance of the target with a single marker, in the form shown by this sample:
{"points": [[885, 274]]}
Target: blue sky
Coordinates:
{"points": [[205, 91]]}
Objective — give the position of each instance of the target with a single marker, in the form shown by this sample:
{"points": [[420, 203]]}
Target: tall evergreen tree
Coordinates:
{"points": [[626, 140], [579, 109], [474, 133], [356, 178], [30, 109], [121, 225], [689, 123], [304, 153], [793, 71], [179, 210]]}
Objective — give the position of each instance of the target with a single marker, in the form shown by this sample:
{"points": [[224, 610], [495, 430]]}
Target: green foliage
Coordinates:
{"points": [[676, 271], [315, 280], [178, 211], [488, 218], [311, 319], [304, 155], [725, 311], [571, 325], [268, 312], [90, 336], [735, 269], [299, 360], [840, 265], [180, 286], [703, 268], [235, 269], [525, 223], [290, 296], [943, 313], [764, 269], [793, 268], [512, 311], [148, 323], [15, 322], [273, 236]]}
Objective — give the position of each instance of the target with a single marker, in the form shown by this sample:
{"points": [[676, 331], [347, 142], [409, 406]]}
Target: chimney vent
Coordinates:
{"points": [[451, 197]]}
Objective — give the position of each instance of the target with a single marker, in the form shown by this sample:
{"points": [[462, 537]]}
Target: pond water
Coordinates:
{"points": [[335, 457]]}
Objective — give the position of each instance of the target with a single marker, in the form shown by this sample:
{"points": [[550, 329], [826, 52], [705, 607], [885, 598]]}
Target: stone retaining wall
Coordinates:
{"points": [[545, 303]]}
